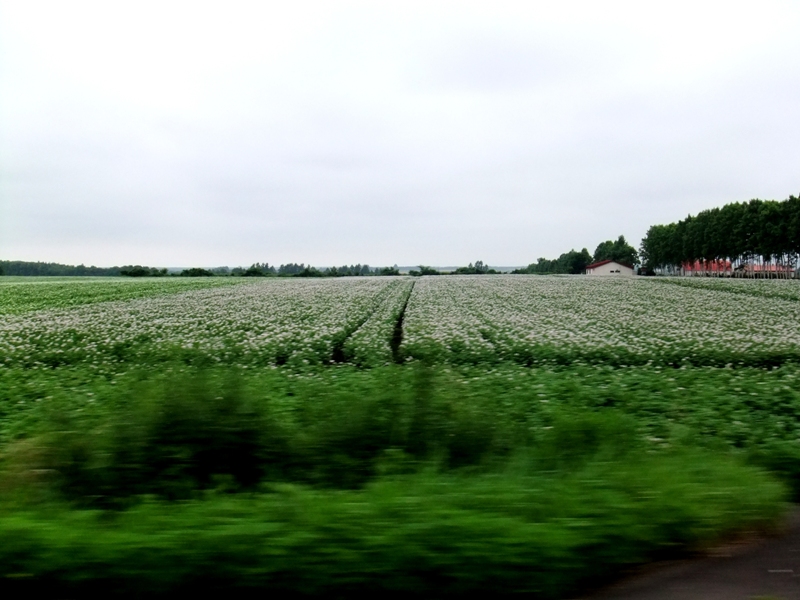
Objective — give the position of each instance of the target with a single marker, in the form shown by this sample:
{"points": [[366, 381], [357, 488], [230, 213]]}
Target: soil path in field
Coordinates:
{"points": [[765, 568], [397, 334]]}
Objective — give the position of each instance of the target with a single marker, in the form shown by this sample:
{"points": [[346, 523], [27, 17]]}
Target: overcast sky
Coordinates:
{"points": [[181, 134]]}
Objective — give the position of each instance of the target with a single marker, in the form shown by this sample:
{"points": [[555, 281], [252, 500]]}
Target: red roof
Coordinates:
{"points": [[605, 262]]}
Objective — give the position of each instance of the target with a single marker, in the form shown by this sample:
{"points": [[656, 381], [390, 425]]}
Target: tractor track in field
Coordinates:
{"points": [[337, 351], [397, 333]]}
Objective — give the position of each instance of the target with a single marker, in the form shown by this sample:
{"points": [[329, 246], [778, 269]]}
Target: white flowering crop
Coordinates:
{"points": [[264, 321], [472, 319], [458, 319]]}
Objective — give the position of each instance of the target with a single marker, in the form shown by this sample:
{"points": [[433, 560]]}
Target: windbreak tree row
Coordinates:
{"points": [[759, 238]]}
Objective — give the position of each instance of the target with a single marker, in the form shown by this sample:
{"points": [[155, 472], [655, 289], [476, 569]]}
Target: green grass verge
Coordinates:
{"points": [[515, 531], [399, 479]]}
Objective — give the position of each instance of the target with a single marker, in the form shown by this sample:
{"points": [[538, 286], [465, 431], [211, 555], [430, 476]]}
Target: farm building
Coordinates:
{"points": [[725, 268], [610, 268], [722, 268]]}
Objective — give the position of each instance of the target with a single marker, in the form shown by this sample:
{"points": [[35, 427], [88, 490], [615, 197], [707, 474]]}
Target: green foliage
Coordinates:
{"points": [[508, 532], [358, 270], [302, 270], [170, 442], [310, 272], [19, 267], [619, 251], [258, 270], [477, 269], [746, 234], [196, 272], [140, 271], [569, 263], [403, 478], [28, 294], [292, 269], [334, 426], [423, 270]]}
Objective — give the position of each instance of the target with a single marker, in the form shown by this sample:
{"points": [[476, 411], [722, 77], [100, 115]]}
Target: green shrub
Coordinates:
{"points": [[169, 440]]}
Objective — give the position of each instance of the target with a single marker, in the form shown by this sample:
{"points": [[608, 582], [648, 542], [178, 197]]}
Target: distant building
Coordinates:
{"points": [[708, 267], [724, 268], [610, 268]]}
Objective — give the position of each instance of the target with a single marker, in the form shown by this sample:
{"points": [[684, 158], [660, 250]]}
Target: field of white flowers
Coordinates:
{"points": [[454, 319], [265, 321], [767, 288], [531, 319]]}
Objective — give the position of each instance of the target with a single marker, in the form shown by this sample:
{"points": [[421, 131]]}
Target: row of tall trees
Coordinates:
{"points": [[759, 238]]}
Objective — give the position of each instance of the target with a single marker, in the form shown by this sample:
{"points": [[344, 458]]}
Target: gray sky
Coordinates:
{"points": [[335, 132]]}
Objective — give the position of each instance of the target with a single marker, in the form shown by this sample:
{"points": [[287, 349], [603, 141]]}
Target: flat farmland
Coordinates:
{"points": [[446, 434], [451, 320], [530, 319]]}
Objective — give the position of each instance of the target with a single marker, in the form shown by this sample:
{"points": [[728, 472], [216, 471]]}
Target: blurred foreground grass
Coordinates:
{"points": [[403, 479], [509, 531]]}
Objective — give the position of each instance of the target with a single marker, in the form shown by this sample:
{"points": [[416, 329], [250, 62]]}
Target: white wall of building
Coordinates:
{"points": [[611, 269]]}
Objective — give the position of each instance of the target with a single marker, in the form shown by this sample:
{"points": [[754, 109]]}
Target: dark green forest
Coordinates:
{"points": [[22, 268], [19, 267], [757, 238]]}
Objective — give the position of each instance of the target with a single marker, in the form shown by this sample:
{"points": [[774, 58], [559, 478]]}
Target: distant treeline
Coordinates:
{"points": [[255, 270], [759, 237], [479, 268], [303, 270], [575, 263], [18, 267]]}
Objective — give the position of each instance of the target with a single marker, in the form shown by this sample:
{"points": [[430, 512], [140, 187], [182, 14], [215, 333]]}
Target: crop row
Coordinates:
{"points": [[531, 319], [371, 344], [466, 320], [262, 322], [785, 289]]}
